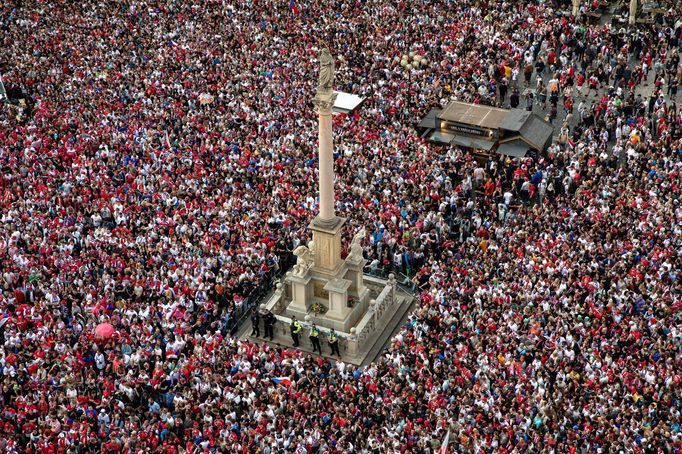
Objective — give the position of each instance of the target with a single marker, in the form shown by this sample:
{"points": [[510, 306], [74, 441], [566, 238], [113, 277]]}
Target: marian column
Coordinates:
{"points": [[321, 287], [326, 226]]}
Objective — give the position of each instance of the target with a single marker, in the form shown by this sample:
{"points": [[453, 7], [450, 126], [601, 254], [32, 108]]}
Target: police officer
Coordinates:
{"points": [[295, 330], [315, 339], [255, 323], [269, 321], [333, 341]]}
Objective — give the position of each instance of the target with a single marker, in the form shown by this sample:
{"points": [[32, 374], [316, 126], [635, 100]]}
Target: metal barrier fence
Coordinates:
{"points": [[404, 281], [242, 312]]}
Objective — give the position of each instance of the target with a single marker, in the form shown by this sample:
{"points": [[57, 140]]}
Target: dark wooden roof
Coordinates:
{"points": [[474, 114]]}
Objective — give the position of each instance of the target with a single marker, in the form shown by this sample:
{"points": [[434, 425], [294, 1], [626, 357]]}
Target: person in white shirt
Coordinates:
{"points": [[507, 196], [100, 361]]}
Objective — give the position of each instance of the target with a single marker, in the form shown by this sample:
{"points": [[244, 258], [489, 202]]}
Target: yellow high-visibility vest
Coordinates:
{"points": [[297, 327]]}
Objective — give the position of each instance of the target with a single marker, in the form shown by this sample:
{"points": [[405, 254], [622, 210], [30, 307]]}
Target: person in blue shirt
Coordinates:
{"points": [[153, 406]]}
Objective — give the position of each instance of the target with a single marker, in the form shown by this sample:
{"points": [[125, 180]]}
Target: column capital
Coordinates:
{"points": [[324, 102]]}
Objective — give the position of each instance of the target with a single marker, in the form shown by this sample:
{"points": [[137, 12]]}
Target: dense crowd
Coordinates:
{"points": [[162, 166]]}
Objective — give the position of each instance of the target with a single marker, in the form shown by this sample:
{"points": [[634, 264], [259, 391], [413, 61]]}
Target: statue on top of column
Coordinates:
{"points": [[325, 82]]}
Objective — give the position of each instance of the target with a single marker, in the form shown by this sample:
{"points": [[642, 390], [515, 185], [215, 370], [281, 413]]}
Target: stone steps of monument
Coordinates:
{"points": [[285, 342], [306, 347], [403, 307]]}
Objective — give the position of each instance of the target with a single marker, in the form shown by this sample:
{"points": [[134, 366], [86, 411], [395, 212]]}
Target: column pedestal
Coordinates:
{"points": [[338, 299], [300, 292], [354, 267], [327, 245]]}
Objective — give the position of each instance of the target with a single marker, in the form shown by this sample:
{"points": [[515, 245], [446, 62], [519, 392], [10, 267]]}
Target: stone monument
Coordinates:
{"points": [[322, 287]]}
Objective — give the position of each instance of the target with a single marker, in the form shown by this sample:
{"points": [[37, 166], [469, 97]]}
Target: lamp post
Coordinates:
{"points": [[632, 19], [409, 62]]}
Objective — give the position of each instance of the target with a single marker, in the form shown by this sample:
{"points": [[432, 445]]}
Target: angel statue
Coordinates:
{"points": [[304, 260], [326, 79], [356, 245]]}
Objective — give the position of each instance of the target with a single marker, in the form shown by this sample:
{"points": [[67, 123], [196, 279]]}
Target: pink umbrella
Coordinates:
{"points": [[104, 330]]}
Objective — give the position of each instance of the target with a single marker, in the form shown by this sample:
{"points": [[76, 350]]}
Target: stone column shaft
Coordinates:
{"points": [[326, 164]]}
